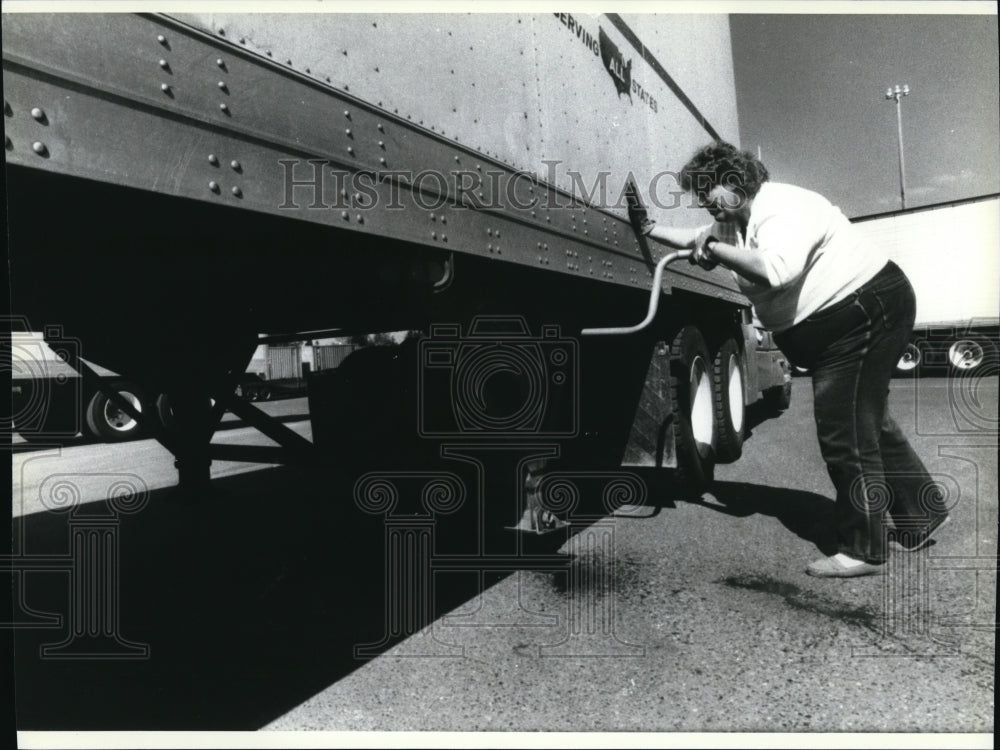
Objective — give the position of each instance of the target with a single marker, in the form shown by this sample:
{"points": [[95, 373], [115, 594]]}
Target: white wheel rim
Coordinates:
{"points": [[909, 360], [965, 355], [702, 418], [735, 394], [116, 418]]}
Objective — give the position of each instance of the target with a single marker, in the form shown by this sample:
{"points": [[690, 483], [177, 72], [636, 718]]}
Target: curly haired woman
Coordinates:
{"points": [[838, 307]]}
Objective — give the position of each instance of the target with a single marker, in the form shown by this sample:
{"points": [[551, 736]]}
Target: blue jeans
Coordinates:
{"points": [[852, 348]]}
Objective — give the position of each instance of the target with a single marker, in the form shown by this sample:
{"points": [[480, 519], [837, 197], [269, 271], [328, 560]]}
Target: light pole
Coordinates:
{"points": [[897, 93]]}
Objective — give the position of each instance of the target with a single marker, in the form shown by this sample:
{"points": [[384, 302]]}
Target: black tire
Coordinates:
{"points": [[729, 398], [693, 424], [165, 412], [105, 421], [969, 355]]}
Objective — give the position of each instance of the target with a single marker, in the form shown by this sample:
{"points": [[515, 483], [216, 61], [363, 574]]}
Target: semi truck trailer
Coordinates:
{"points": [[178, 183], [951, 254]]}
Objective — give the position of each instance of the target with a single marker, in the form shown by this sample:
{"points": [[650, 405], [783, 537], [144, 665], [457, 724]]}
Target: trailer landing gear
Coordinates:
{"points": [[193, 427]]}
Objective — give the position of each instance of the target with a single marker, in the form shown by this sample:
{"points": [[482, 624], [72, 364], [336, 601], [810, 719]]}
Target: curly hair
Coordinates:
{"points": [[721, 163]]}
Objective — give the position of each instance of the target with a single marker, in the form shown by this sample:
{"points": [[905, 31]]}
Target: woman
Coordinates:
{"points": [[838, 307]]}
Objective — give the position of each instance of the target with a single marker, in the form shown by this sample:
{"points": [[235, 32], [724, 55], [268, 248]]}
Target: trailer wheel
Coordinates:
{"points": [[909, 362], [966, 355], [693, 424], [165, 412], [730, 403], [107, 422]]}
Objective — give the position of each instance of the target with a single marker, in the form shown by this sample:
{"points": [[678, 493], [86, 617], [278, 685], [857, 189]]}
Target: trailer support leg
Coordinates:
{"points": [[193, 416]]}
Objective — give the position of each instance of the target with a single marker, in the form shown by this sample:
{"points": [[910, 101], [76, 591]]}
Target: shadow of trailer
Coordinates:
{"points": [[163, 245]]}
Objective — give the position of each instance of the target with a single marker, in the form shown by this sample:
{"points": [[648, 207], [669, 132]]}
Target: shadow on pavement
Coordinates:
{"points": [[81, 439], [757, 413], [249, 602], [806, 514]]}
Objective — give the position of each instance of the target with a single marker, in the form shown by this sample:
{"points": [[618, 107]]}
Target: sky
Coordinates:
{"points": [[811, 95]]}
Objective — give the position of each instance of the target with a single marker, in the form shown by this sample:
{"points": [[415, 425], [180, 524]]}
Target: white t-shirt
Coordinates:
{"points": [[813, 255]]}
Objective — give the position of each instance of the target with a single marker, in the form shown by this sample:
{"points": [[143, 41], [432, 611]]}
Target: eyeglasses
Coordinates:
{"points": [[727, 201]]}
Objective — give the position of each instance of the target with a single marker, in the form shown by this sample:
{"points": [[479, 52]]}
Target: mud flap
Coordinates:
{"points": [[651, 437]]}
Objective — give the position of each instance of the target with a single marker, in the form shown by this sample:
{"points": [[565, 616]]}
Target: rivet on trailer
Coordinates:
{"points": [[269, 255]]}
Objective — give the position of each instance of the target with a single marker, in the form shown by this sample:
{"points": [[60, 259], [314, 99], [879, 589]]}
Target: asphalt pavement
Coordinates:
{"points": [[91, 464], [292, 601], [698, 616]]}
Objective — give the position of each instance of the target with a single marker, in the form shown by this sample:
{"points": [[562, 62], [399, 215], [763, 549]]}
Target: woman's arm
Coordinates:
{"points": [[747, 264], [679, 239], [709, 251]]}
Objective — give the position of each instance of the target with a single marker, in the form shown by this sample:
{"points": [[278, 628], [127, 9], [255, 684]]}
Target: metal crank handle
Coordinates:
{"points": [[654, 298]]}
